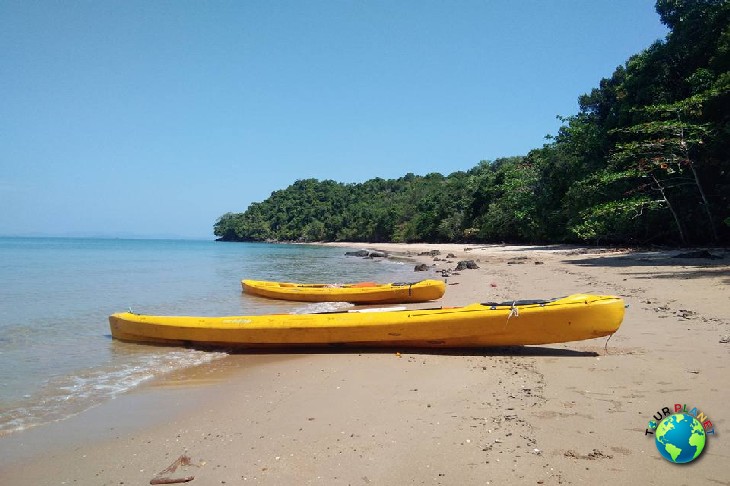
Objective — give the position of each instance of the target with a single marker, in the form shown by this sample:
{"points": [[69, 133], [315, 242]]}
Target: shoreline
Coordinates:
{"points": [[557, 414]]}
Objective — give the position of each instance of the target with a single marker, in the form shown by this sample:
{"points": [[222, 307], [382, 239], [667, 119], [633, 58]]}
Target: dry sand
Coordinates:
{"points": [[562, 414]]}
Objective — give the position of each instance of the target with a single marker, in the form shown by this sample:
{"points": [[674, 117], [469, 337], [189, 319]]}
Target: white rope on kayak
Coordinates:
{"points": [[605, 348], [513, 312]]}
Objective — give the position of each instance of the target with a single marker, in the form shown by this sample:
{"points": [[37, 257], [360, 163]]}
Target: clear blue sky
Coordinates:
{"points": [[153, 118]]}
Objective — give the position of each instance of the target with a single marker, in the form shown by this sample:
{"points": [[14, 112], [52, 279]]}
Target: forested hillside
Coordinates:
{"points": [[645, 160]]}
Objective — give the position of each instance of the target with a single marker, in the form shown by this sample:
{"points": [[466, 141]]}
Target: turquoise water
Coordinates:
{"points": [[57, 357]]}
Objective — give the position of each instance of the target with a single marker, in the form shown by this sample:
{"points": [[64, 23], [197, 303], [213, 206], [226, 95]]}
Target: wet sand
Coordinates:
{"points": [[562, 414]]}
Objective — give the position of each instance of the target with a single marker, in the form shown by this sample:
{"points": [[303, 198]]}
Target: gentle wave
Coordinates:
{"points": [[66, 396]]}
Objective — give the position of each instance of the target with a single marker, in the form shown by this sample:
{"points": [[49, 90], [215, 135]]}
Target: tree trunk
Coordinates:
{"points": [[705, 203], [660, 188]]}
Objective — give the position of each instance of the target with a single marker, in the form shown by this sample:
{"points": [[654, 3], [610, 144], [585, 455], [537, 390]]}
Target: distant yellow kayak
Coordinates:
{"points": [[573, 318], [356, 293]]}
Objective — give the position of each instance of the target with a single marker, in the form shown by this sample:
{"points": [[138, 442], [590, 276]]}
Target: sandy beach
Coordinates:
{"points": [[563, 414]]}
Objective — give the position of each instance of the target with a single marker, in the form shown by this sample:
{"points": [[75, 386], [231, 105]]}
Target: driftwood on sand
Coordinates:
{"points": [[163, 477]]}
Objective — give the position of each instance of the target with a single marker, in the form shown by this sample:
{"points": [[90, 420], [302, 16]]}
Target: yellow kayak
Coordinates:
{"points": [[356, 293], [573, 318]]}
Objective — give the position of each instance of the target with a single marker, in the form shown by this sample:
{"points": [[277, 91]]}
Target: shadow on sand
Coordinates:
{"points": [[355, 349], [672, 264], [495, 351]]}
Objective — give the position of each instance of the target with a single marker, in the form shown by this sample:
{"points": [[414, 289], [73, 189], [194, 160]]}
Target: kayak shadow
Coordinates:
{"points": [[490, 351], [386, 350]]}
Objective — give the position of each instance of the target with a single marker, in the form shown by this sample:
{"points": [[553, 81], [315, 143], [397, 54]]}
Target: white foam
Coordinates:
{"points": [[319, 307], [69, 395]]}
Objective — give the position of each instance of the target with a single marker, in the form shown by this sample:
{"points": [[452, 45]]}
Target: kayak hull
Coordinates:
{"points": [[574, 318], [359, 293]]}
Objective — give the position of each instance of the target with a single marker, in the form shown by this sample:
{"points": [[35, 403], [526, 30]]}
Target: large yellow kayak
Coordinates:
{"points": [[357, 293], [573, 318]]}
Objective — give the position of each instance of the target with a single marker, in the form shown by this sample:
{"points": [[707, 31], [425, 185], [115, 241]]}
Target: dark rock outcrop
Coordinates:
{"points": [[464, 264], [358, 253]]}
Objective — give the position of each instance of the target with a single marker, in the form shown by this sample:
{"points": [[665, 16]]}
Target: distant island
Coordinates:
{"points": [[644, 161]]}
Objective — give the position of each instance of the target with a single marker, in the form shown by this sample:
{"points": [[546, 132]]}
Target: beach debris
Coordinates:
{"points": [[686, 314], [725, 339], [185, 479], [163, 477], [517, 260], [591, 456]]}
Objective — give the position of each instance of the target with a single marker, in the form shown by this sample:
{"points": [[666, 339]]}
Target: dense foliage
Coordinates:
{"points": [[645, 160]]}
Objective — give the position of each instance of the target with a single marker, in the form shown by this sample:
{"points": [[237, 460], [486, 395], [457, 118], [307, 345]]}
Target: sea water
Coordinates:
{"points": [[57, 357]]}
